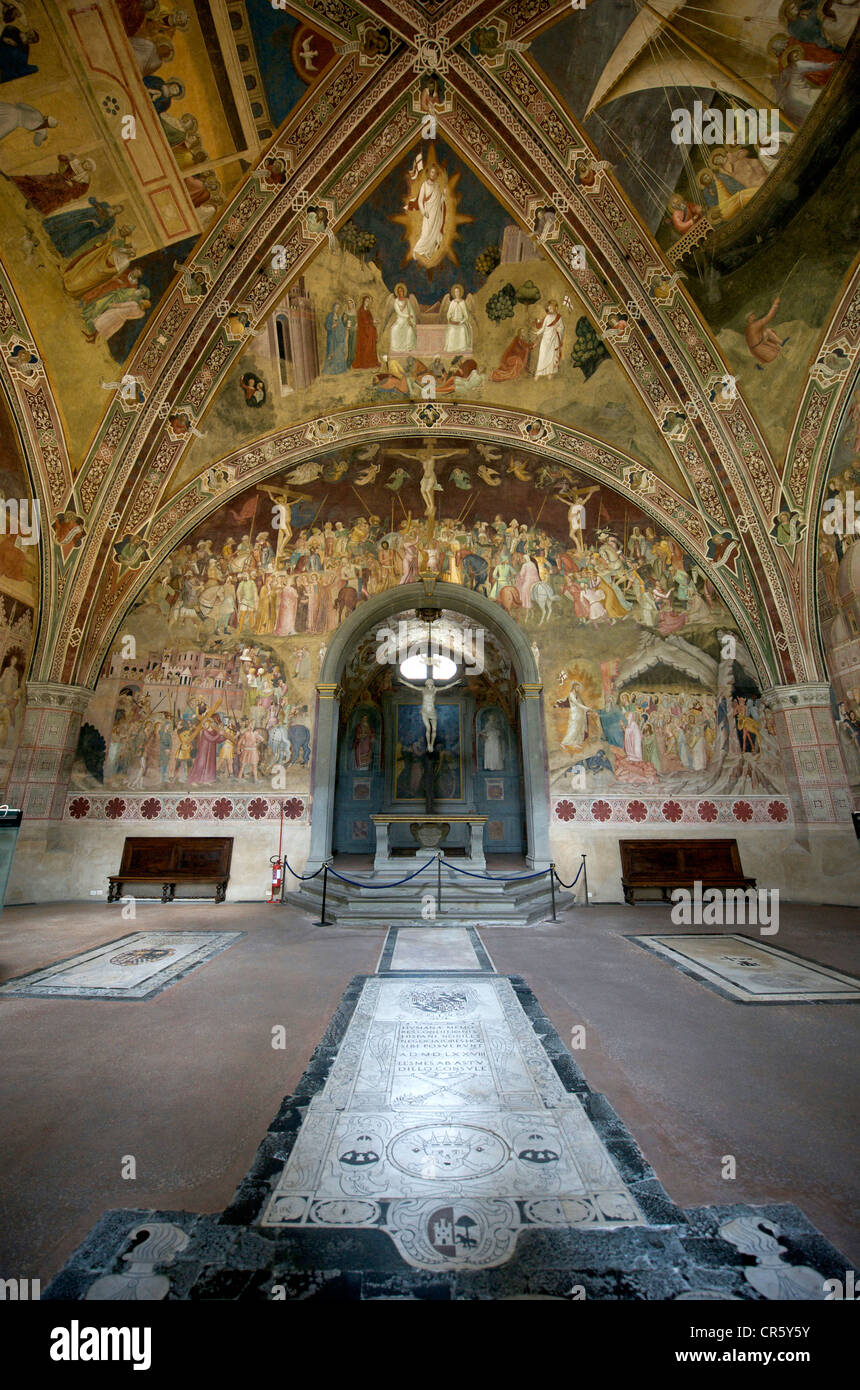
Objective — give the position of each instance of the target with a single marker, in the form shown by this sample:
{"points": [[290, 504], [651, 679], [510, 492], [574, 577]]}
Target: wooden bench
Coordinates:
{"points": [[173, 859], [668, 864]]}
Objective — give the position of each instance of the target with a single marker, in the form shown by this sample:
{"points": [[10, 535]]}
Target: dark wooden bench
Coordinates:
{"points": [[171, 860], [668, 864]]}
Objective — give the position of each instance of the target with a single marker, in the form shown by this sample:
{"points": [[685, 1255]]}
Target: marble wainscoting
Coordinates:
{"points": [[806, 863], [70, 860]]}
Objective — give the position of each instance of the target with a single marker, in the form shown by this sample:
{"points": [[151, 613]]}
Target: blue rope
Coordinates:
{"points": [[495, 878], [575, 881], [395, 884], [302, 877]]}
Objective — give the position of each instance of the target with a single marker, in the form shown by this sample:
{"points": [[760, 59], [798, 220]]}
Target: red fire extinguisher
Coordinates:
{"points": [[277, 880], [277, 864]]}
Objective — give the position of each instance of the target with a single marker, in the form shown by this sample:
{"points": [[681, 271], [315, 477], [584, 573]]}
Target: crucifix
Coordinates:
{"points": [[428, 691], [428, 455]]}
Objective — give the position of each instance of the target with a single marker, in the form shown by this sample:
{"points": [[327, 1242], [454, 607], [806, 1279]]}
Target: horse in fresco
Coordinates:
{"points": [[300, 745], [510, 599], [475, 570], [543, 597], [346, 601]]}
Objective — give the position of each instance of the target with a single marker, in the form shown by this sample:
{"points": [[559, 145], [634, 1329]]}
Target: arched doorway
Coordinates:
{"points": [[525, 755]]}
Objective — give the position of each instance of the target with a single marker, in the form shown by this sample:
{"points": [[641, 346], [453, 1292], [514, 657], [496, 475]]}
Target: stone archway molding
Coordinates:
{"points": [[374, 612]]}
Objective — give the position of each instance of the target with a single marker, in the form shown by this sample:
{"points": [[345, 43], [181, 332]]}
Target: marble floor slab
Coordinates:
{"points": [[444, 1124], [750, 971], [134, 967], [433, 948]]}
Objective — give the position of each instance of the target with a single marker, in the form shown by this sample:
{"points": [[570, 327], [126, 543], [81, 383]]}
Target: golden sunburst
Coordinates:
{"points": [[430, 218]]}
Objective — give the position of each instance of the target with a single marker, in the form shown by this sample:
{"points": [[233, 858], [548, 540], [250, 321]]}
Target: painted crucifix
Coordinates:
{"points": [[428, 455]]}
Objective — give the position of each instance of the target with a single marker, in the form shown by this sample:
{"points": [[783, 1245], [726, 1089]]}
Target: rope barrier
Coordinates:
{"points": [[575, 881], [494, 878], [302, 877], [395, 883]]}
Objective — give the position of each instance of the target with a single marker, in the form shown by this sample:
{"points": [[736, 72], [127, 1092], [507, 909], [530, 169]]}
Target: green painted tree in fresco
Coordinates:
{"points": [[501, 305], [359, 242], [486, 263], [588, 350]]}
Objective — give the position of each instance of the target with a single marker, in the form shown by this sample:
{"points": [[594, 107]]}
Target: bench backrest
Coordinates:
{"points": [[206, 855], [689, 859]]}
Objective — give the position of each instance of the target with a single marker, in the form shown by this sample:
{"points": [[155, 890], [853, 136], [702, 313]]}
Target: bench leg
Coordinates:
{"points": [[168, 892]]}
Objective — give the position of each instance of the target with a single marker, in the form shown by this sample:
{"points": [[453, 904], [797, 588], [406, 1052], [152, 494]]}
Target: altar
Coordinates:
{"points": [[429, 833]]}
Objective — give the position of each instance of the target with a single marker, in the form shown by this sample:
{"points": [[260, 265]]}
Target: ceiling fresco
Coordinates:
{"points": [[470, 310], [237, 232]]}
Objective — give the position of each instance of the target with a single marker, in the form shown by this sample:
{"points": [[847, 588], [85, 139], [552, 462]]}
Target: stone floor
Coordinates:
{"points": [[187, 1082]]}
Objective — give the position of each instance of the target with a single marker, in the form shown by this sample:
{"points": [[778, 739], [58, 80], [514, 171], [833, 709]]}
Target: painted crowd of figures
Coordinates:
{"points": [[283, 583], [651, 735], [197, 741]]}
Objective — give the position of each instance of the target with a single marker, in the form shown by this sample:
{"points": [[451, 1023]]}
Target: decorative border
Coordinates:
{"points": [[674, 810], [206, 807]]}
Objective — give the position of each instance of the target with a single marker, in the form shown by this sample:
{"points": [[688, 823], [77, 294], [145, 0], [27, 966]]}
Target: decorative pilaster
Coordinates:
{"points": [[809, 742], [533, 743], [323, 763], [39, 777]]}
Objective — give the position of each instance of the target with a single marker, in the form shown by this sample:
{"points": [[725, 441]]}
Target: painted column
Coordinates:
{"points": [[533, 741], [39, 776], [809, 742], [323, 774]]}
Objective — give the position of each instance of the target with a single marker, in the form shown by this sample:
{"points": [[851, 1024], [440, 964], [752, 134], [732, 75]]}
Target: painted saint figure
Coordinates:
{"points": [[430, 202], [550, 336], [365, 338]]}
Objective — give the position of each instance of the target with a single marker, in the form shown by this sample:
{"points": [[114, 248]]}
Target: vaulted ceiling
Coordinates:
{"points": [[726, 467]]}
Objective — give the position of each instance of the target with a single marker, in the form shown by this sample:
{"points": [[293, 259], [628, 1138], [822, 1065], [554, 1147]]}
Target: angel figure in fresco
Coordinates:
{"points": [[458, 313], [401, 311]]}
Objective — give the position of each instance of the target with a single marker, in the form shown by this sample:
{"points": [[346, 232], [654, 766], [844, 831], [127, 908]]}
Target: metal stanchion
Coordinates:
{"points": [[439, 882], [585, 881], [322, 921], [552, 888]]}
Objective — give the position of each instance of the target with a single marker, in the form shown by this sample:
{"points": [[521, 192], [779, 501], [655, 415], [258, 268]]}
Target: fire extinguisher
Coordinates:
{"points": [[277, 864], [277, 880]]}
